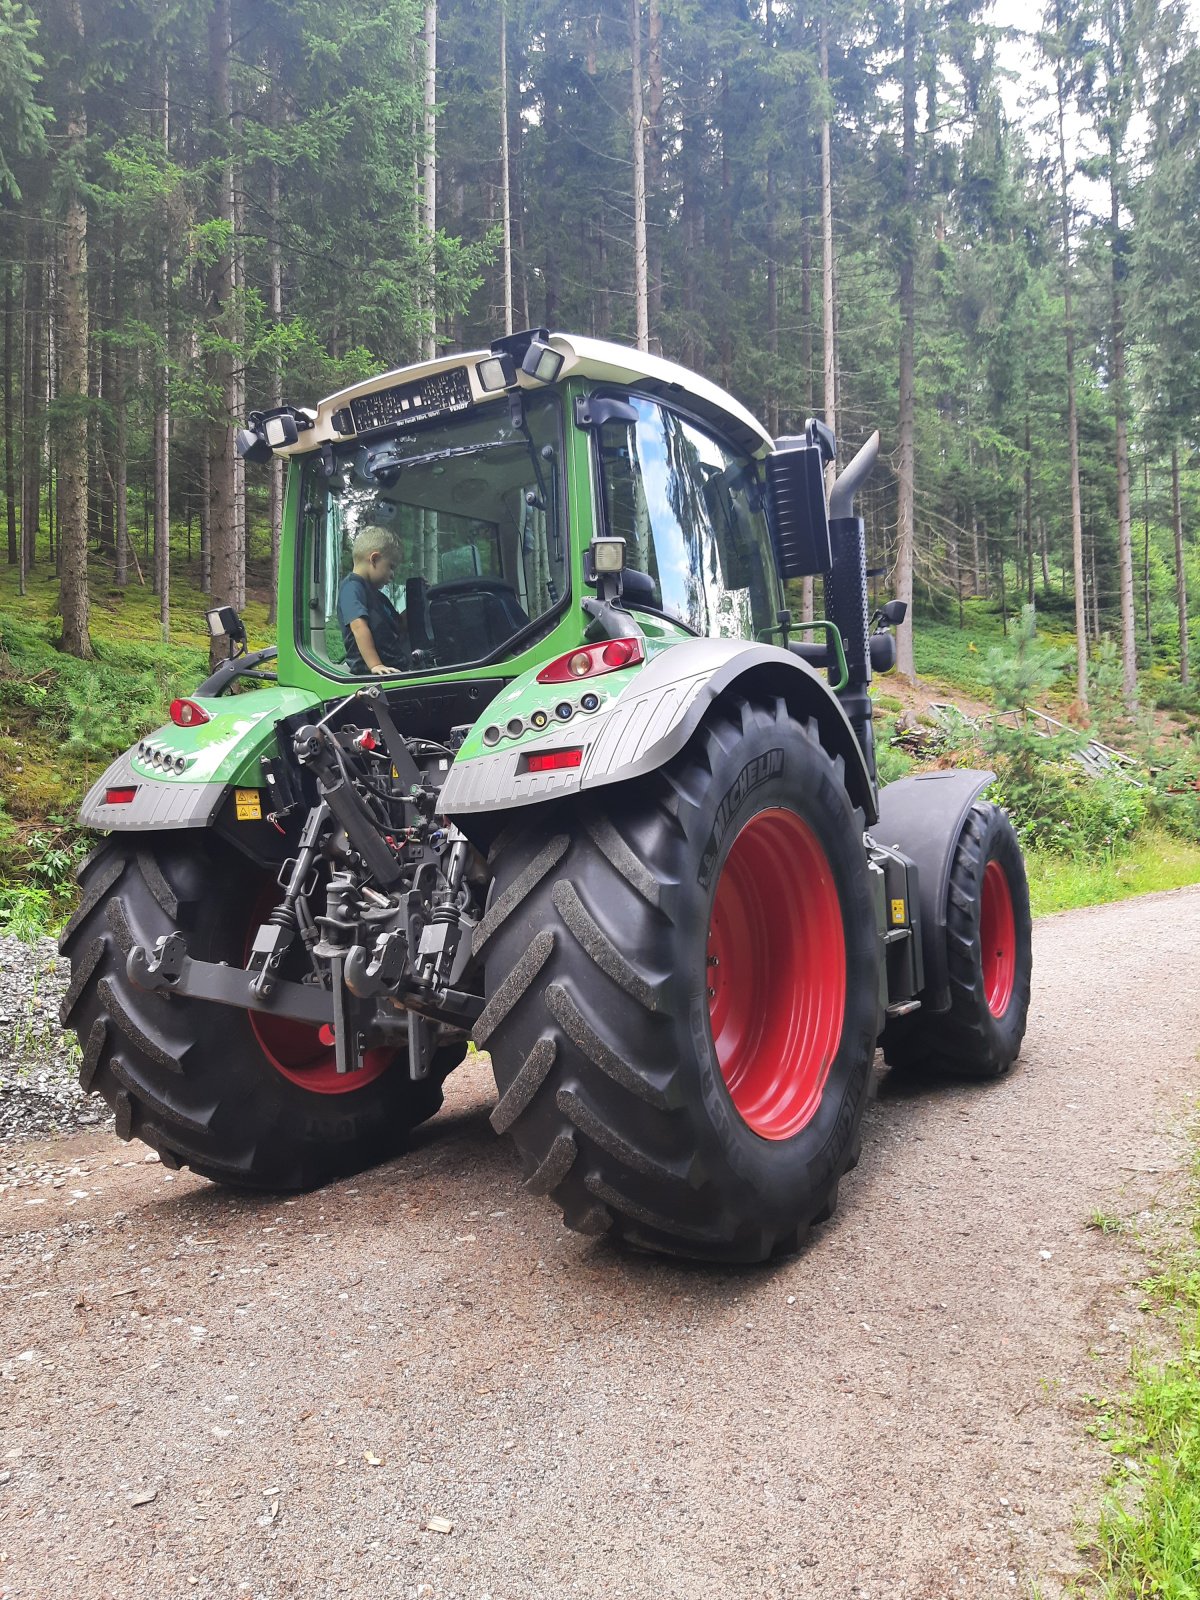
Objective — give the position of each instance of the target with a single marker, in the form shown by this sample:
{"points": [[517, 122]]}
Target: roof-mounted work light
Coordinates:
{"points": [[532, 350], [496, 372], [272, 430]]}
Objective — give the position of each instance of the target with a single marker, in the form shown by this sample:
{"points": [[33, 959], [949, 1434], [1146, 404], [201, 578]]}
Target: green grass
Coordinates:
{"points": [[957, 657], [1154, 861], [1147, 1541], [62, 721]]}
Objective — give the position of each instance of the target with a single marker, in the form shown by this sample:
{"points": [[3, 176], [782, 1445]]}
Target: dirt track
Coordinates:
{"points": [[897, 1413]]}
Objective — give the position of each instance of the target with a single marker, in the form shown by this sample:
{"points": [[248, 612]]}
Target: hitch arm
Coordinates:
{"points": [[171, 970]]}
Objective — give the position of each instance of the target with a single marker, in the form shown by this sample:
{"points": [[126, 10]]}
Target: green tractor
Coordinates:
{"points": [[542, 762]]}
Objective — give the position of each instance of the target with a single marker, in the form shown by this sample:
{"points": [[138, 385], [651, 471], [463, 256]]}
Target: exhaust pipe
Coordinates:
{"points": [[858, 470], [846, 594]]}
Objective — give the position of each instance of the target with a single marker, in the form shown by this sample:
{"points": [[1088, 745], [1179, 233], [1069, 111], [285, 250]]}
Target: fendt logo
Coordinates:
{"points": [[768, 765]]}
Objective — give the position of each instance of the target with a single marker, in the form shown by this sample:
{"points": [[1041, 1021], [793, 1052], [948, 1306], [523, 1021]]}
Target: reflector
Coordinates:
{"points": [[554, 760]]}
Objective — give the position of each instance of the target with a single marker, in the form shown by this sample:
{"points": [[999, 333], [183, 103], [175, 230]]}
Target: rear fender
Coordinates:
{"points": [[221, 759], [923, 818], [643, 725]]}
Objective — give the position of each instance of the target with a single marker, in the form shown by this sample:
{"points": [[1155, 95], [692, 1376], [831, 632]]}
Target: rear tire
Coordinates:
{"points": [[989, 956], [701, 1111], [192, 1079]]}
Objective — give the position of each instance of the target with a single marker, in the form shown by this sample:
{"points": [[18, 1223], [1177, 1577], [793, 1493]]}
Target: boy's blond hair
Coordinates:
{"points": [[371, 538]]}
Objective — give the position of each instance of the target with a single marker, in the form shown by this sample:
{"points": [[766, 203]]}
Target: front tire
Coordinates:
{"points": [[700, 1109], [248, 1101], [989, 958]]}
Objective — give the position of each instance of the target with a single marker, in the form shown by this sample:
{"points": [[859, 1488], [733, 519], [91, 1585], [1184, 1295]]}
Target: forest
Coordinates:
{"points": [[983, 239]]}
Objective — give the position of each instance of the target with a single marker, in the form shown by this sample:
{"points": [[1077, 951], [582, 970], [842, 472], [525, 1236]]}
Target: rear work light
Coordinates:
{"points": [[187, 714], [593, 659], [554, 760], [119, 797]]}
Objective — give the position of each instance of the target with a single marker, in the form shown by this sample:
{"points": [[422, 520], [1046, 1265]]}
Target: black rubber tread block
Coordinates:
{"points": [[113, 1004], [158, 885], [514, 986], [628, 1206], [195, 1122], [595, 1222], [577, 1111], [82, 968], [592, 938], [519, 890], [828, 1206], [123, 1114], [584, 1037], [559, 1160], [96, 1040], [118, 921], [620, 857], [237, 1175], [525, 1085], [98, 888]]}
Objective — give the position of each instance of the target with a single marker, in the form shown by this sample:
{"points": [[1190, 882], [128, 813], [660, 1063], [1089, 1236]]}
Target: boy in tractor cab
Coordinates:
{"points": [[374, 633]]}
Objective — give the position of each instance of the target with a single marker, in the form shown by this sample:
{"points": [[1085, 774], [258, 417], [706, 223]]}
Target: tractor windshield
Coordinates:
{"points": [[690, 510], [446, 542]]}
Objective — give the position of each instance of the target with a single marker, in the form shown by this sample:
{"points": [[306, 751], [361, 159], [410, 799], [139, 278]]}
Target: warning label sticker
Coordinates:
{"points": [[249, 805]]}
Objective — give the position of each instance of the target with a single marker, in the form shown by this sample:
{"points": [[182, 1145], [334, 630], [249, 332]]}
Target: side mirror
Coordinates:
{"points": [[593, 411], [797, 513], [894, 613]]}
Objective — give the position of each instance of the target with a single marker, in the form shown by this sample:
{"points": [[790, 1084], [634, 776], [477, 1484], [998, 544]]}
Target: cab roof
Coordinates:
{"points": [[598, 359]]}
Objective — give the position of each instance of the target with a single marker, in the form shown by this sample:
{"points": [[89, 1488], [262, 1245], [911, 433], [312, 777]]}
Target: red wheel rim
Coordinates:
{"points": [[298, 1052], [776, 973], [997, 939]]}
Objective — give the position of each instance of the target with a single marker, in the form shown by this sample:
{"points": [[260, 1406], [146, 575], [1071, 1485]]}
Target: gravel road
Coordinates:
{"points": [[220, 1396]]}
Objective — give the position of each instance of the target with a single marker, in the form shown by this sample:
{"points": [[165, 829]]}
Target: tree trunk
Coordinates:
{"points": [[1044, 554], [828, 345], [275, 271], [726, 243], [1146, 551], [905, 431], [1029, 590], [1124, 518], [1180, 574], [807, 383], [222, 479], [429, 178], [33, 431], [73, 347], [10, 477], [654, 160], [505, 175], [1081, 647], [121, 446], [640, 277], [162, 408]]}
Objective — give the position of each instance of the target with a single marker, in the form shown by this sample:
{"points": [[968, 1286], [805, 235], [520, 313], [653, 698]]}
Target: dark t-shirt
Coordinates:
{"points": [[359, 598]]}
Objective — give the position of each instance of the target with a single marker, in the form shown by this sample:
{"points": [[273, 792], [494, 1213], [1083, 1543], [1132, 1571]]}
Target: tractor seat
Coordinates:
{"points": [[472, 617]]}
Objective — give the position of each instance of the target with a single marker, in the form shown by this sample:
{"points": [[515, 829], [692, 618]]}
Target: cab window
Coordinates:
{"points": [[689, 508]]}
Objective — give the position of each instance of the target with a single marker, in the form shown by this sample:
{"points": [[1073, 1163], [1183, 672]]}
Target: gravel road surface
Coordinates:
{"points": [[202, 1394]]}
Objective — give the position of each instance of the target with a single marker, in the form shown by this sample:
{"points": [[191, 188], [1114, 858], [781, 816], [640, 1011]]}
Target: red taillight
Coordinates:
{"points": [[118, 797], [554, 760], [187, 714], [591, 660]]}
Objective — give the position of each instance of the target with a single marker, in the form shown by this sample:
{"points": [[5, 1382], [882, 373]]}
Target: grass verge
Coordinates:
{"points": [[1155, 861], [1148, 1539]]}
